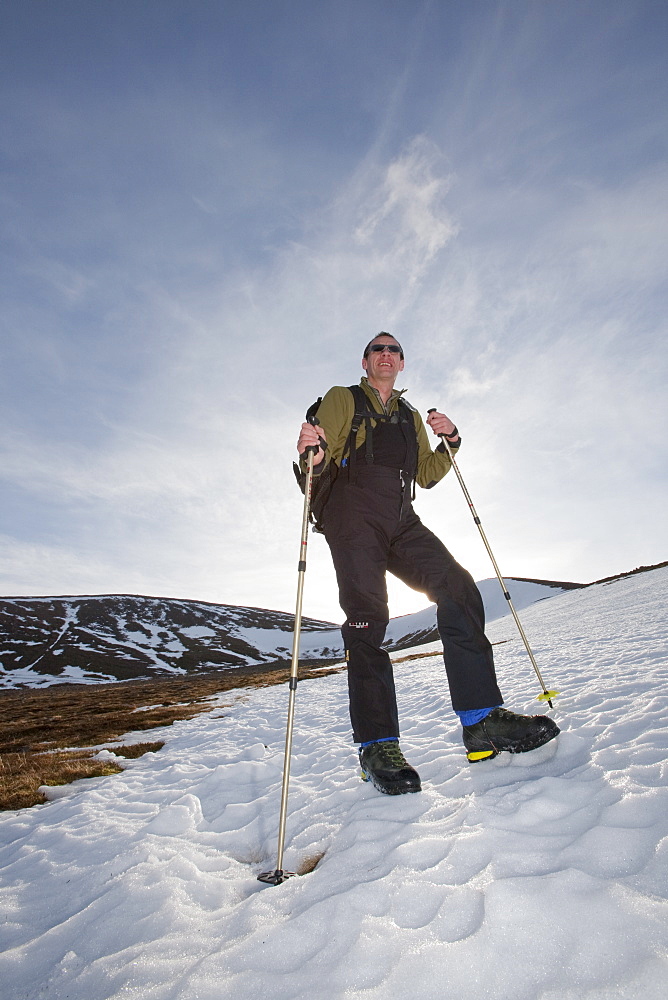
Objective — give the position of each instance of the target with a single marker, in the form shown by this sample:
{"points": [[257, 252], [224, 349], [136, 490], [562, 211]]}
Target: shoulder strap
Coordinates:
{"points": [[410, 434], [363, 412], [350, 451], [361, 405]]}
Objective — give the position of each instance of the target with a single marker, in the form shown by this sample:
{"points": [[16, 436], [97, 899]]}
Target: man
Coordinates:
{"points": [[371, 527]]}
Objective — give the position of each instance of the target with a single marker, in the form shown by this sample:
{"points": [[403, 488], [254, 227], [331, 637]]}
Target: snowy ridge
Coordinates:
{"points": [[418, 628], [117, 637], [537, 877]]}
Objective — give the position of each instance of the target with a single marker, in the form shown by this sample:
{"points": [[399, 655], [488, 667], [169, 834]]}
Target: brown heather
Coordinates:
{"points": [[50, 736]]}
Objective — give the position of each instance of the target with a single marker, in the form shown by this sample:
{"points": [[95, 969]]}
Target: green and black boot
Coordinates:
{"points": [[384, 765], [504, 730]]}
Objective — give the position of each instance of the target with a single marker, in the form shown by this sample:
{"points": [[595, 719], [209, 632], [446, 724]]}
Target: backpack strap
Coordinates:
{"points": [[406, 411], [360, 402], [363, 412]]}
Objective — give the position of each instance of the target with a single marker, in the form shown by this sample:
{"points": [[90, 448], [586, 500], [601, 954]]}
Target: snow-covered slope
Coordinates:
{"points": [[46, 640], [537, 877], [523, 594], [412, 630]]}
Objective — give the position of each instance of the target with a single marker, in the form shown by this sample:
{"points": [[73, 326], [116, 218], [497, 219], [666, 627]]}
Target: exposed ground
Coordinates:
{"points": [[51, 736]]}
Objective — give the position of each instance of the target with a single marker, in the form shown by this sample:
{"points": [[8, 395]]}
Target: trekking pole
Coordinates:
{"points": [[278, 875], [546, 695]]}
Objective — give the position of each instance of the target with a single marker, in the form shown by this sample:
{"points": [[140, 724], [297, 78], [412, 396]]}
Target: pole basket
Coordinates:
{"points": [[275, 878]]}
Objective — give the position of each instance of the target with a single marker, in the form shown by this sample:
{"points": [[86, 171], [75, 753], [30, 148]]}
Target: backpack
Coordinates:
{"points": [[322, 485]]}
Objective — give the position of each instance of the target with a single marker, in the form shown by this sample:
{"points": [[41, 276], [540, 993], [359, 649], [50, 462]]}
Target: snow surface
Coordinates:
{"points": [[541, 876]]}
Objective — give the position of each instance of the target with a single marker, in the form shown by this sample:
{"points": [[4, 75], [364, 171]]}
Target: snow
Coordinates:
{"points": [[266, 640], [26, 677], [523, 593], [198, 632], [541, 876]]}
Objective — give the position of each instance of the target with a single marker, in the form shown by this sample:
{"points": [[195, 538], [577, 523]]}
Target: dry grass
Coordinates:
{"points": [[433, 652], [413, 656], [310, 863], [21, 774], [135, 750], [42, 730]]}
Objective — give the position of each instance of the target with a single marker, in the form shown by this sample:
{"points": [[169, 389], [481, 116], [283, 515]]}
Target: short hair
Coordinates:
{"points": [[383, 333]]}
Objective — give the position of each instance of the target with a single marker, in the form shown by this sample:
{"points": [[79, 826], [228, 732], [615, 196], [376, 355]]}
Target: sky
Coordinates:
{"points": [[208, 209]]}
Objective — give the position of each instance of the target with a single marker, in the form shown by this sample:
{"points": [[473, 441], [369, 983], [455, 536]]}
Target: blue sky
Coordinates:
{"points": [[209, 208]]}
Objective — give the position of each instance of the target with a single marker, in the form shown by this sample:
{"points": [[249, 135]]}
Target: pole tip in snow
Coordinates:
{"points": [[275, 878]]}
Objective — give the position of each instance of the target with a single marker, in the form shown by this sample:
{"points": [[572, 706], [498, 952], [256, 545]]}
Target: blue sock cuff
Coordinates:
{"points": [[470, 716], [384, 739]]}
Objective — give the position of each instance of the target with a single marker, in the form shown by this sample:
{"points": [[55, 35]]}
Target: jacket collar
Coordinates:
{"points": [[396, 394]]}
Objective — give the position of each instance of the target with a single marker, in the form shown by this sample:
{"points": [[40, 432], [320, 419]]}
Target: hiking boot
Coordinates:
{"points": [[503, 730], [384, 765]]}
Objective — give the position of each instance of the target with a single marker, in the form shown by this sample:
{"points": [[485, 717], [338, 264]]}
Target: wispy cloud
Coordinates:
{"points": [[202, 274], [410, 223]]}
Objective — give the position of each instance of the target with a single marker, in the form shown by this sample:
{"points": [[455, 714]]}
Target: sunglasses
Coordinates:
{"points": [[379, 348]]}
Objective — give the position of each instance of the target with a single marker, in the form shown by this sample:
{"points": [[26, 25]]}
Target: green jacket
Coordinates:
{"points": [[335, 415]]}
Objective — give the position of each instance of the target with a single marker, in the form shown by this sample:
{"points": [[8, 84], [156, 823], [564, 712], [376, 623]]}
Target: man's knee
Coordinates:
{"points": [[457, 586], [460, 606], [358, 632]]}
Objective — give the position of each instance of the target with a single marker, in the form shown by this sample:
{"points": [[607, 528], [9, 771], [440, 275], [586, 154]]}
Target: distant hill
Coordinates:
{"points": [[50, 640], [46, 640]]}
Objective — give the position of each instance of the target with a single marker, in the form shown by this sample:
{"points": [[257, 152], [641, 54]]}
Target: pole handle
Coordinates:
{"points": [[313, 420], [443, 437], [432, 409]]}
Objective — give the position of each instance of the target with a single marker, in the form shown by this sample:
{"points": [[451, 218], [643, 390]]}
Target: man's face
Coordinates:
{"points": [[383, 364]]}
